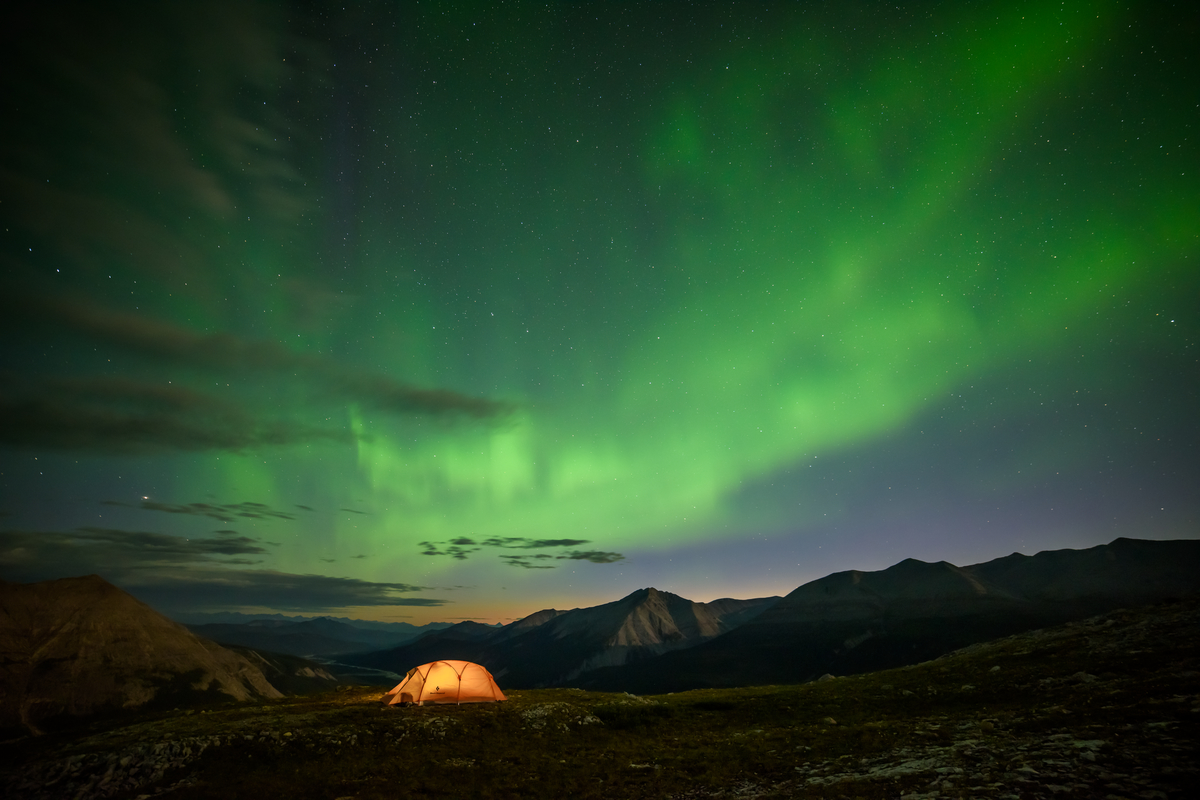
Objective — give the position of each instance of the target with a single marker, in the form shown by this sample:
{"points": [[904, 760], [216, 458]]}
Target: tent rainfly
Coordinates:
{"points": [[445, 682]]}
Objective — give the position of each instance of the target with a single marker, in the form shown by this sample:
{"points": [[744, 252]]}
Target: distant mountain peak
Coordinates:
{"points": [[549, 647], [640, 594]]}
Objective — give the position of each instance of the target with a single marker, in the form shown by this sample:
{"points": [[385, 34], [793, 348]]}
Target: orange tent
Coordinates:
{"points": [[446, 682]]}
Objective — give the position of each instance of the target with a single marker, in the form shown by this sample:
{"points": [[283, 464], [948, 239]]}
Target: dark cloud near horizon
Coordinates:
{"points": [[454, 551], [460, 547], [189, 574], [518, 542], [594, 556], [527, 562], [213, 589], [522, 543]]}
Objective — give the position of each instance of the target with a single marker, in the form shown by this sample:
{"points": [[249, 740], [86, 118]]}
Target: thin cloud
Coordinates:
{"points": [[120, 415], [124, 415], [175, 572], [32, 555], [594, 556], [527, 562], [461, 547], [454, 551], [224, 352], [234, 158], [520, 543], [214, 589], [227, 512]]}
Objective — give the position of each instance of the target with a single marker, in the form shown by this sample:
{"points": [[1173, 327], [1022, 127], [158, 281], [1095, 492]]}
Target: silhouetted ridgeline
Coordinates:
{"points": [[553, 648], [853, 622], [78, 646], [845, 623]]}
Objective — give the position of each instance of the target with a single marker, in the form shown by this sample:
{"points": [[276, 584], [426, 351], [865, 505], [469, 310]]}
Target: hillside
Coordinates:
{"points": [[553, 647], [78, 646], [852, 622], [1105, 707]]}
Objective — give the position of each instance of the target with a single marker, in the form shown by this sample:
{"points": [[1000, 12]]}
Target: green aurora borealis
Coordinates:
{"points": [[499, 308]]}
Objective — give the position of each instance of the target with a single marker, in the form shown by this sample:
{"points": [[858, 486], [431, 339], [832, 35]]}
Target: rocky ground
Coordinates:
{"points": [[1106, 708]]}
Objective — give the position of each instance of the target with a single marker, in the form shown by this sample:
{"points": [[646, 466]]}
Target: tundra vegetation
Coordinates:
{"points": [[1107, 707]]}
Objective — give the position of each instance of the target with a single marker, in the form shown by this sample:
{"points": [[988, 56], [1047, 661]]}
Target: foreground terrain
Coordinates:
{"points": [[1105, 708]]}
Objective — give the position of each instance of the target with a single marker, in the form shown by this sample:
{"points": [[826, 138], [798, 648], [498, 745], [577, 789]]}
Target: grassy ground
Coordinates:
{"points": [[972, 719]]}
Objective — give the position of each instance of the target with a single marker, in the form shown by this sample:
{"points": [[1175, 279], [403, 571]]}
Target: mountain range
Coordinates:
{"points": [[848, 622], [403, 629], [79, 646], [322, 636], [553, 648], [853, 622]]}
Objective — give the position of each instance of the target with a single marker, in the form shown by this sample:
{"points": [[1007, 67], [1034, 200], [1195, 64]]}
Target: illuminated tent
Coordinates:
{"points": [[446, 682]]}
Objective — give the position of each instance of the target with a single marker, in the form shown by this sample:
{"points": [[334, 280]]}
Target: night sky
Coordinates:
{"points": [[446, 310]]}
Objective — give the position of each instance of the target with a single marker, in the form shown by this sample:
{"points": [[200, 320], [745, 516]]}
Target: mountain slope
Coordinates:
{"points": [[852, 622], [290, 674], [79, 645], [551, 647]]}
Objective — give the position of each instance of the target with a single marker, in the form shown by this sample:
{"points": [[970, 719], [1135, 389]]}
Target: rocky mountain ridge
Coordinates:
{"points": [[848, 622], [552, 647], [853, 621]]}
